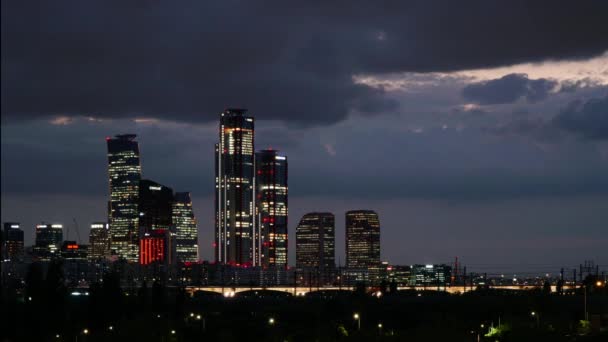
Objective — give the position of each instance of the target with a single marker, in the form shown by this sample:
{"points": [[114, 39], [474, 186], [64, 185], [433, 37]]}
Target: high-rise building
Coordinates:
{"points": [[124, 171], [362, 239], [315, 241], [155, 206], [12, 248], [186, 230], [99, 241], [270, 223], [49, 238], [155, 219], [234, 203]]}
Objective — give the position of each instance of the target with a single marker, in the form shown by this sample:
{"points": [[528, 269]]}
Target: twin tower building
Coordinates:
{"points": [[251, 208]]}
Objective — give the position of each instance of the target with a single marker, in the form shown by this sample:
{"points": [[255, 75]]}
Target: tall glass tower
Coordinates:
{"points": [[315, 242], [234, 158], [362, 239], [270, 224], [185, 228], [124, 171]]}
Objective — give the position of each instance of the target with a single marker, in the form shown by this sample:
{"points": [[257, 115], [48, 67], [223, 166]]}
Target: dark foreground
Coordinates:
{"points": [[158, 314]]}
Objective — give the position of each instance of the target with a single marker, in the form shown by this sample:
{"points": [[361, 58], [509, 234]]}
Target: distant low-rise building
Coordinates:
{"points": [[430, 275]]}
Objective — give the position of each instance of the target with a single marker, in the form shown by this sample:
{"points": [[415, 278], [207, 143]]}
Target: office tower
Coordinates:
{"points": [[362, 239], [270, 223], [124, 172], [185, 228], [155, 206], [12, 248], [99, 241], [315, 241], [48, 241], [234, 158], [155, 219]]}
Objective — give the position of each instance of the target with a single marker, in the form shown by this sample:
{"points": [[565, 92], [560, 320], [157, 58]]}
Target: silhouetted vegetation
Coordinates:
{"points": [[153, 314]]}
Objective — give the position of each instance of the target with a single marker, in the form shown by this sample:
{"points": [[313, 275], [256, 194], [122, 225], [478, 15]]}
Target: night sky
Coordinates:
{"points": [[476, 129]]}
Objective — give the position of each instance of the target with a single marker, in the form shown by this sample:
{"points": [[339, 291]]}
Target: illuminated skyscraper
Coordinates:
{"points": [[234, 158], [315, 241], [12, 239], [49, 238], [124, 172], [270, 225], [362, 239], [155, 219], [185, 228], [99, 241]]}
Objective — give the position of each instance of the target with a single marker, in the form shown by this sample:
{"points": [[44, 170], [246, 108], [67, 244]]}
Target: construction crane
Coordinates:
{"points": [[67, 233]]}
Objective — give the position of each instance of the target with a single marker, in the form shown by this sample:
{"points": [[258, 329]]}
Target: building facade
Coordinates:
{"points": [[49, 238], [315, 241], [362, 239], [271, 209], [155, 206], [234, 202], [99, 241], [186, 229], [430, 275], [124, 172], [155, 247], [156, 222], [12, 238]]}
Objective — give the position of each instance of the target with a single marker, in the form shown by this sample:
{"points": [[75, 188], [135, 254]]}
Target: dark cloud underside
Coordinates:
{"points": [[289, 62]]}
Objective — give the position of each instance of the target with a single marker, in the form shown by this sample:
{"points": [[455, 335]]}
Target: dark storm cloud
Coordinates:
{"points": [[289, 62], [509, 89], [586, 119]]}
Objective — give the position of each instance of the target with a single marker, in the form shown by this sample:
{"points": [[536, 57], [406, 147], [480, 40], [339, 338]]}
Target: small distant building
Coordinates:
{"points": [[99, 241], [430, 275], [70, 250], [12, 237]]}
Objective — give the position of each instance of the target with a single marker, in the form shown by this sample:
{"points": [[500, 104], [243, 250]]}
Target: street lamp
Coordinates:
{"points": [[110, 328], [537, 315], [85, 331], [358, 319], [271, 321], [380, 329]]}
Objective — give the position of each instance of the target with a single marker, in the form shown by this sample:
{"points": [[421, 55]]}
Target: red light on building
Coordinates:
{"points": [[72, 246], [152, 247]]}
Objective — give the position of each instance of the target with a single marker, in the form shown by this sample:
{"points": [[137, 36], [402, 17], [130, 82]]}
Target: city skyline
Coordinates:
{"points": [[489, 147]]}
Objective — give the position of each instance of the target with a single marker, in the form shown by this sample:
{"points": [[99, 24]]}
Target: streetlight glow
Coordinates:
{"points": [[356, 316], [85, 331], [271, 321]]}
